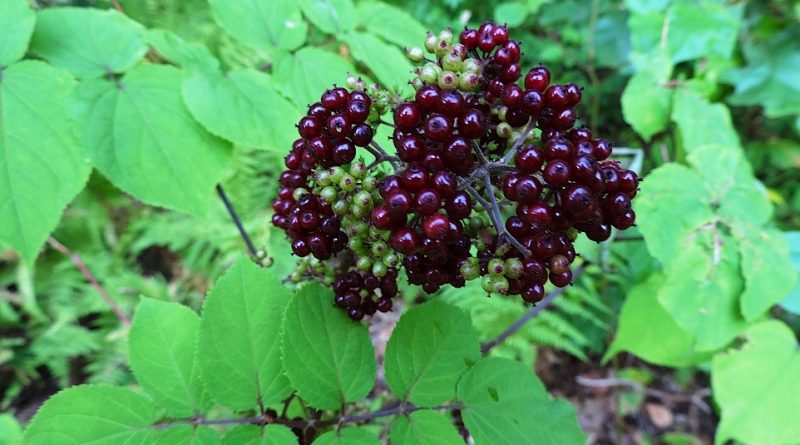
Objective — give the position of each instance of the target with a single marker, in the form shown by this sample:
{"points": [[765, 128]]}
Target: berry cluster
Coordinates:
{"points": [[491, 179]]}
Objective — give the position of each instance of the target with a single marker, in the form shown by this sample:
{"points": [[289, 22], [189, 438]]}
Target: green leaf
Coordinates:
{"points": [[702, 28], [100, 415], [242, 106], [141, 136], [647, 330], [88, 42], [43, 167], [424, 428], [303, 76], [239, 338], [10, 431], [646, 104], [755, 387], [506, 404], [16, 20], [702, 123], [673, 203], [389, 65], [792, 301], [263, 25], [180, 52], [347, 436], [512, 14], [189, 435], [330, 16], [431, 347], [329, 358], [702, 291], [391, 23], [767, 269], [253, 435], [162, 344]]}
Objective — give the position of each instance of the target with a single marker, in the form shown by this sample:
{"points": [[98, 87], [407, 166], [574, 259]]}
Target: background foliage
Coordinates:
{"points": [[117, 127]]}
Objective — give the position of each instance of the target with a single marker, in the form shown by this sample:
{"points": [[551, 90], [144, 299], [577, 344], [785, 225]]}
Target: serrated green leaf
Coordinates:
{"points": [[43, 167], [646, 104], [239, 345], [767, 269], [347, 436], [162, 345], [253, 435], [424, 428], [792, 301], [391, 24], [755, 387], [431, 347], [702, 291], [329, 358], [141, 136], [88, 42], [647, 330], [176, 50], [502, 398], [263, 25], [188, 435], [389, 65], [100, 415], [242, 106], [702, 123], [16, 20], [673, 203], [700, 28], [10, 430], [330, 16], [512, 14], [303, 76]]}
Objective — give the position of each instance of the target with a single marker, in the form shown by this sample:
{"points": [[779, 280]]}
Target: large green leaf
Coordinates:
{"points": [[431, 347], [756, 387], [254, 435], [506, 404], [702, 123], [767, 269], [792, 301], [303, 76], [162, 346], [262, 24], [43, 167], [424, 428], [347, 436], [328, 357], [239, 338], [391, 23], [141, 136], [10, 430], [331, 16], [389, 65], [702, 28], [242, 106], [100, 415], [88, 42], [647, 330], [702, 291], [188, 435], [180, 52], [673, 204], [16, 20], [646, 104]]}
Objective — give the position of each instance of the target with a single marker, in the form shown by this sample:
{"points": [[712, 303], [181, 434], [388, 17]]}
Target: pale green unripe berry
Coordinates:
{"points": [[296, 276], [468, 81], [503, 130], [448, 80], [427, 74], [298, 193], [415, 54], [323, 178], [430, 42], [379, 248], [514, 268], [496, 267], [341, 207], [358, 210], [329, 194], [469, 271], [391, 260], [500, 285], [501, 113], [347, 183], [472, 65], [364, 263], [460, 50], [487, 283], [442, 48], [446, 35], [336, 174], [370, 183], [358, 170], [364, 199], [451, 61], [379, 270]]}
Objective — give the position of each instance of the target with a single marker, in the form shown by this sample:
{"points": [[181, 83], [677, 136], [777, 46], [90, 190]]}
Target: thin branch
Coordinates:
{"points": [[381, 155], [81, 265], [494, 213], [117, 6], [235, 217], [528, 316], [510, 153]]}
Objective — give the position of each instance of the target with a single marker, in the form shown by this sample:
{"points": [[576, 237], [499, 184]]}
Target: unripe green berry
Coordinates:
{"points": [[379, 270], [497, 267], [514, 268], [358, 169], [298, 193], [358, 210], [503, 130], [391, 260], [501, 113], [415, 54], [296, 276], [364, 199], [323, 178], [427, 74], [469, 271], [446, 35], [355, 243], [336, 174], [472, 65], [341, 207], [447, 80], [500, 285], [360, 228], [379, 248], [451, 61], [329, 194], [364, 263], [468, 81], [348, 183], [370, 183], [487, 283], [460, 50], [442, 48], [430, 42]]}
